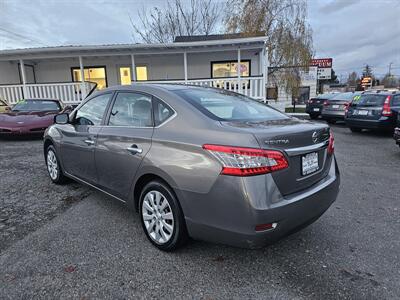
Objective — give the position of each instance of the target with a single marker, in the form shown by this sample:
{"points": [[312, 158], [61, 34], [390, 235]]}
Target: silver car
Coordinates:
{"points": [[197, 162]]}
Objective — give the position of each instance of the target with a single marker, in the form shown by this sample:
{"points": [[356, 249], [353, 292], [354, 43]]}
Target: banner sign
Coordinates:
{"points": [[324, 66], [321, 62]]}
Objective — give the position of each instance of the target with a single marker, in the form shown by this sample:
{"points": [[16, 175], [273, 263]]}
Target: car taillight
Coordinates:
{"points": [[331, 145], [326, 103], [238, 161], [346, 107], [386, 111]]}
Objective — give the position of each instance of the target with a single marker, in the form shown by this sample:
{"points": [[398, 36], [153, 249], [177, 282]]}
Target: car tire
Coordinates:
{"points": [[53, 166], [161, 216], [313, 117], [331, 121], [355, 129]]}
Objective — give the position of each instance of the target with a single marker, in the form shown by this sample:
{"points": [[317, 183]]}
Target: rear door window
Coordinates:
{"points": [[131, 109]]}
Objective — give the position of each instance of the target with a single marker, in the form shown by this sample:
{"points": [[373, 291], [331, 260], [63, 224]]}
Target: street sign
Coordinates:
{"points": [[366, 82], [324, 66], [324, 73]]}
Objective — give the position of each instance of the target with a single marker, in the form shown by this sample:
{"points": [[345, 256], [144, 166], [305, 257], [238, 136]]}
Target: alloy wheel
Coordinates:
{"points": [[157, 217], [52, 165]]}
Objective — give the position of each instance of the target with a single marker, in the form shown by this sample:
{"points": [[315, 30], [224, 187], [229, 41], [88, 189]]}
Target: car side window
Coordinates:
{"points": [[396, 100], [162, 112], [92, 112], [131, 109]]}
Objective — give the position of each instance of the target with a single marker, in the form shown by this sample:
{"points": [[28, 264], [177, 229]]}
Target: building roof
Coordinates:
{"points": [[127, 49], [210, 37]]}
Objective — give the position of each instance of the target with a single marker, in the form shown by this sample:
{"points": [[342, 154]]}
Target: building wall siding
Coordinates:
{"points": [[9, 72], [160, 67]]}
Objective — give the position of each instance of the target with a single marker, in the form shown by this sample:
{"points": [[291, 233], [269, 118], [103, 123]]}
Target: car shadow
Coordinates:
{"points": [[22, 138]]}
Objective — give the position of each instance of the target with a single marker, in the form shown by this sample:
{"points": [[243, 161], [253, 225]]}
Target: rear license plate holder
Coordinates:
{"points": [[335, 106], [309, 163], [362, 112], [316, 109]]}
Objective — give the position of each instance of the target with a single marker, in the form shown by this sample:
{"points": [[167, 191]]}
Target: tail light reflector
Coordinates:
{"points": [[238, 161], [331, 145], [386, 107], [268, 226]]}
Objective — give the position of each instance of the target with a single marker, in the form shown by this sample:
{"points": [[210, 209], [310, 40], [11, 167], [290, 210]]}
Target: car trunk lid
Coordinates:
{"points": [[303, 143]]}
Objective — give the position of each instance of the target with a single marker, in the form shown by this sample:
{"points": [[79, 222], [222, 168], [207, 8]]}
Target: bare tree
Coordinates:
{"points": [[353, 79], [289, 37], [390, 81], [162, 25]]}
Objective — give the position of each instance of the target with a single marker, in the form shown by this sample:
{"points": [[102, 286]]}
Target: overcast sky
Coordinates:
{"points": [[352, 32]]}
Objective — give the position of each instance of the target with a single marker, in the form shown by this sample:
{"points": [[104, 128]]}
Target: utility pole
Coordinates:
{"points": [[390, 68]]}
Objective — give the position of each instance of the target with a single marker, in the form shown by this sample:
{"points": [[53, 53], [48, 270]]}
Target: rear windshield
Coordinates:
{"points": [[226, 106], [344, 96], [325, 96], [36, 105], [370, 100]]}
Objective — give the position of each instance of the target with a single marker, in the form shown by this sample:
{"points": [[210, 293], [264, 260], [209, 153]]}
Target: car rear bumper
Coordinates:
{"points": [[335, 114], [369, 124], [315, 109], [229, 215]]}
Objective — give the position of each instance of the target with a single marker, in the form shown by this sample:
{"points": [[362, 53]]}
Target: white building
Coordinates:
{"points": [[308, 89], [68, 72]]}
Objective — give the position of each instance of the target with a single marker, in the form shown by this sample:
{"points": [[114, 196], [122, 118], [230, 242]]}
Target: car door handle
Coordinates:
{"points": [[134, 149], [89, 142]]}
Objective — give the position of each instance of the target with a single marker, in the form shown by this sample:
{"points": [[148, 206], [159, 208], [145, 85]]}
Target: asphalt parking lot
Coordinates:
{"points": [[72, 242]]}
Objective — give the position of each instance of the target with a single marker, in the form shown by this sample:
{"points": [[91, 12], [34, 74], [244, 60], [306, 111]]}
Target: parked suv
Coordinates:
{"points": [[374, 110], [314, 105], [334, 108]]}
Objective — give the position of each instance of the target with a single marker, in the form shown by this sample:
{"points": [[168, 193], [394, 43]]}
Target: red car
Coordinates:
{"points": [[29, 117]]}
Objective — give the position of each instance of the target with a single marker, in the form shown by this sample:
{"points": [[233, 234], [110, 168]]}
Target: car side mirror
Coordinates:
{"points": [[8, 108], [61, 118]]}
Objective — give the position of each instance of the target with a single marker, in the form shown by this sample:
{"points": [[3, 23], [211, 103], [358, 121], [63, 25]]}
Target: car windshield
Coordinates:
{"points": [[370, 100], [226, 106], [344, 97], [36, 105]]}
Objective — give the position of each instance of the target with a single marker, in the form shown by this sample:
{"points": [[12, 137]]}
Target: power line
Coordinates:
{"points": [[23, 37]]}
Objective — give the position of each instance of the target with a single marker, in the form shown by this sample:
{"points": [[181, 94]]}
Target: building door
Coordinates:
{"points": [[125, 74], [92, 74], [304, 95], [29, 73]]}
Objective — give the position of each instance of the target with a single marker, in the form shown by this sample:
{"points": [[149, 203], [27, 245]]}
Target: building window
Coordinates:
{"points": [[230, 69], [92, 74], [125, 74], [141, 73], [304, 95], [272, 93]]}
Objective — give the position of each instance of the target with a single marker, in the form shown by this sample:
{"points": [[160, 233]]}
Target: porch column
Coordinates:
{"points": [[238, 72], [83, 86], [265, 70], [23, 76], [185, 66], [133, 67]]}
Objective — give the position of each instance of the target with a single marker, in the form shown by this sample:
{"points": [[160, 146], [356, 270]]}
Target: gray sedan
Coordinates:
{"points": [[197, 162]]}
